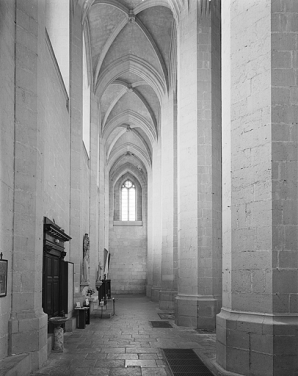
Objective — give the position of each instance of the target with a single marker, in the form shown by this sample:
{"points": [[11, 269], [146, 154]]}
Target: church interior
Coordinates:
{"points": [[151, 144]]}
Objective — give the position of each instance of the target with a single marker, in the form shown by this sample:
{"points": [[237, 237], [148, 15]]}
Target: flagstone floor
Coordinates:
{"points": [[127, 344]]}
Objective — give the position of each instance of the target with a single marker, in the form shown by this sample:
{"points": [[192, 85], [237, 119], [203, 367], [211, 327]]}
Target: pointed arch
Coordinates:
{"points": [[175, 6], [116, 99], [115, 139], [131, 118], [128, 147], [131, 64], [117, 188], [107, 46], [122, 92], [147, 105], [123, 169], [136, 133], [155, 49], [86, 36], [113, 3]]}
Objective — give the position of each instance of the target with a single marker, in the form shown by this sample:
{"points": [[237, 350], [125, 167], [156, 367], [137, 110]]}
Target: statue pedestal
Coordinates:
{"points": [[58, 333], [84, 287]]}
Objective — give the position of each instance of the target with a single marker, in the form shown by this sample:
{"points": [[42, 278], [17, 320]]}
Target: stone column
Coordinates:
{"points": [[94, 195], [7, 89], [156, 222], [149, 274], [101, 200], [28, 323], [168, 292], [257, 329], [199, 171]]}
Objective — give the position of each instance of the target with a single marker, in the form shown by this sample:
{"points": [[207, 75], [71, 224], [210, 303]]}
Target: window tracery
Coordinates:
{"points": [[128, 201]]}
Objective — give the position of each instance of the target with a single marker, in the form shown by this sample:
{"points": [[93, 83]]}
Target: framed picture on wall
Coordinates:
{"points": [[3, 277]]}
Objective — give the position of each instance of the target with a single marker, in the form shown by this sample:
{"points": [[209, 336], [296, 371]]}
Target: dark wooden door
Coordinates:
{"points": [[52, 294]]}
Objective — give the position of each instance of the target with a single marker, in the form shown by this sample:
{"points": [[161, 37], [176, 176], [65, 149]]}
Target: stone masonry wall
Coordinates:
{"points": [[128, 246], [156, 222], [168, 282], [79, 162], [258, 322], [216, 151], [199, 166], [284, 97], [251, 162], [57, 148], [128, 242], [85, 206], [57, 161], [6, 156], [27, 319]]}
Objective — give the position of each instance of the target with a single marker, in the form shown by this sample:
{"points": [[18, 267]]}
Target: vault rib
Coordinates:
{"points": [[132, 64], [130, 117], [117, 152], [121, 133], [107, 46], [121, 94], [155, 48]]}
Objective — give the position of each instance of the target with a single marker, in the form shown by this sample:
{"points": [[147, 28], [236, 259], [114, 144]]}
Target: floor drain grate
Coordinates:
{"points": [[161, 324], [185, 362], [205, 331], [167, 316]]}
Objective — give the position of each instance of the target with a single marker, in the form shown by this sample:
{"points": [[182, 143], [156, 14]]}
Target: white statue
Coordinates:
{"points": [[86, 260], [99, 269]]}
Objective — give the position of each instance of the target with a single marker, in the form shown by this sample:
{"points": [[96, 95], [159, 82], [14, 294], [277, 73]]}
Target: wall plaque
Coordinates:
{"points": [[3, 276]]}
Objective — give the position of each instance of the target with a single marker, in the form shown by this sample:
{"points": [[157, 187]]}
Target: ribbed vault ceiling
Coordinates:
{"points": [[131, 46]]}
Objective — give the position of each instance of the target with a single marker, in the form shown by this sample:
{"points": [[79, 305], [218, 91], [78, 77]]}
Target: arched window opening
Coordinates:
{"points": [[128, 201], [86, 100]]}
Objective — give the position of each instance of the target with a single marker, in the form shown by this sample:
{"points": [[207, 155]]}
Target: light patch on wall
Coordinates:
{"points": [[86, 101], [169, 277], [57, 25]]}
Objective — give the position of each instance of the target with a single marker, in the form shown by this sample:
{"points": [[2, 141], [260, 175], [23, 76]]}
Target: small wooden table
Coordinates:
{"points": [[81, 317]]}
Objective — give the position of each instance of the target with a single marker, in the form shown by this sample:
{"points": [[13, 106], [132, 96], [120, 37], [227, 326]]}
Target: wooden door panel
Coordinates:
{"points": [[55, 298], [55, 265], [52, 285], [48, 265], [49, 298]]}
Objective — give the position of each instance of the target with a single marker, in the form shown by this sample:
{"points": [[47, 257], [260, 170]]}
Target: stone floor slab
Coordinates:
{"points": [[142, 350], [140, 363], [123, 356], [109, 363], [136, 371], [106, 346], [154, 372], [99, 371]]}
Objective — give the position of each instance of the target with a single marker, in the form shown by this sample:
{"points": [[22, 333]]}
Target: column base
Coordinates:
{"points": [[256, 344], [148, 291], [29, 335], [155, 294], [196, 311], [167, 299]]}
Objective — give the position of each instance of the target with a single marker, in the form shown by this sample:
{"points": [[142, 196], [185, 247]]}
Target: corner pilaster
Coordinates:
{"points": [[28, 323]]}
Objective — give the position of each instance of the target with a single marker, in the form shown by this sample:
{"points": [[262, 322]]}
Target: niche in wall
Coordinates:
{"points": [[128, 235]]}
